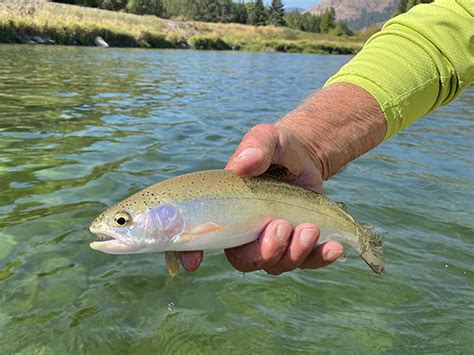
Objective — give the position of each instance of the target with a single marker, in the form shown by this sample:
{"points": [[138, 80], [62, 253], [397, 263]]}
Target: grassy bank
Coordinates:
{"points": [[74, 25]]}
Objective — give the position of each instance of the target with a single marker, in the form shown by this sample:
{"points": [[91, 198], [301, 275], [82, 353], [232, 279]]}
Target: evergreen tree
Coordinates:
{"points": [[90, 3], [276, 13], [178, 8], [256, 13], [342, 29], [114, 5], [402, 7], [303, 22], [412, 3], [239, 13], [145, 7], [406, 5], [327, 21], [224, 10], [311, 23], [293, 20]]}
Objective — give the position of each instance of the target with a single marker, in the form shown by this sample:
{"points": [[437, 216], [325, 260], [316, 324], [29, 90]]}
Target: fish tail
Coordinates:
{"points": [[372, 249]]}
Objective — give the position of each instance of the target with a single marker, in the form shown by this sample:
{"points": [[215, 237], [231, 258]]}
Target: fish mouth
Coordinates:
{"points": [[105, 236], [111, 243]]}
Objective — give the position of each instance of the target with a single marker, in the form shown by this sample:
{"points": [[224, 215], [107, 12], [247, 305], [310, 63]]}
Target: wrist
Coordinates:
{"points": [[336, 125]]}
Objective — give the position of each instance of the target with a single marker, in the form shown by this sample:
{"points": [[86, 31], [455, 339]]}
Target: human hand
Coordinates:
{"points": [[279, 248]]}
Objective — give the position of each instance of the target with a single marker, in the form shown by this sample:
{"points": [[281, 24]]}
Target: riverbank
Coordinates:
{"points": [[54, 23]]}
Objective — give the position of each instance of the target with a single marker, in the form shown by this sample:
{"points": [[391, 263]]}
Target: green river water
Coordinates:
{"points": [[81, 128]]}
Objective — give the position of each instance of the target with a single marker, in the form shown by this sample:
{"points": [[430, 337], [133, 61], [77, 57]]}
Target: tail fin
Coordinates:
{"points": [[372, 250]]}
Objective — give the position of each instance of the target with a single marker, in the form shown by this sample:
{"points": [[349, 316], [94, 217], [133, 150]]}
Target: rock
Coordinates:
{"points": [[236, 47], [185, 45], [39, 40], [100, 42], [270, 50], [42, 40]]}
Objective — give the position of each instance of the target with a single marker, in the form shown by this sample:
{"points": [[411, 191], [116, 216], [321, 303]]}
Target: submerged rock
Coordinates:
{"points": [[41, 40], [100, 42]]}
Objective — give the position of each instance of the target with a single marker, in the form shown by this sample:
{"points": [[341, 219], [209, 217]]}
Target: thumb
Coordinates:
{"points": [[255, 153]]}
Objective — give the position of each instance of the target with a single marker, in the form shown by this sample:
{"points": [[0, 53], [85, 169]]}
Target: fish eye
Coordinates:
{"points": [[122, 218]]}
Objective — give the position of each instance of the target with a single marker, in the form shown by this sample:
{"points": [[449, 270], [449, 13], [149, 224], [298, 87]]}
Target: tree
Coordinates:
{"points": [[114, 5], [412, 3], [90, 3], [276, 13], [239, 13], [145, 7], [402, 7], [311, 23], [294, 20], [406, 5], [327, 21], [175, 8], [256, 13], [224, 9], [303, 22], [342, 29]]}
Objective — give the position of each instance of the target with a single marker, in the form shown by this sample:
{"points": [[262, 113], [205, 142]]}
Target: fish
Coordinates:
{"points": [[217, 209]]}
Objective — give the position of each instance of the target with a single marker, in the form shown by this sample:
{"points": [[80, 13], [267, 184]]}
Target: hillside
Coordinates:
{"points": [[358, 14], [74, 25]]}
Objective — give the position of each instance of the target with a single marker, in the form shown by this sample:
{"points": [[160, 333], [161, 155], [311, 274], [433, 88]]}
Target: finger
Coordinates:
{"points": [[264, 252], [302, 244], [323, 255], [191, 260], [255, 153]]}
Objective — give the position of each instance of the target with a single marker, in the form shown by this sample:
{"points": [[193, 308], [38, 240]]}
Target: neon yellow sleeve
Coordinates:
{"points": [[419, 61]]}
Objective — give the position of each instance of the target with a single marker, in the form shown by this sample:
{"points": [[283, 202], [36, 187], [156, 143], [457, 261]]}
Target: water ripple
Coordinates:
{"points": [[82, 128]]}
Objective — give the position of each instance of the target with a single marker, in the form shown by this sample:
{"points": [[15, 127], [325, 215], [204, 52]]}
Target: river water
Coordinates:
{"points": [[81, 128]]}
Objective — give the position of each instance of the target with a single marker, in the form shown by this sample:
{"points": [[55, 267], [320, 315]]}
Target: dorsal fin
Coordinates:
{"points": [[342, 205], [343, 210]]}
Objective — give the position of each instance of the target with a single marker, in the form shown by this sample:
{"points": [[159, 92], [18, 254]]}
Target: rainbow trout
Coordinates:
{"points": [[217, 209]]}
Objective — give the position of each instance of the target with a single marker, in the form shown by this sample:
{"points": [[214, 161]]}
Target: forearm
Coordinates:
{"points": [[337, 124], [419, 61]]}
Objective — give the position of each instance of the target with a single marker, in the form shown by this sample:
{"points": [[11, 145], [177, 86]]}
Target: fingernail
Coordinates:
{"points": [[333, 254], [307, 236], [247, 153], [283, 231]]}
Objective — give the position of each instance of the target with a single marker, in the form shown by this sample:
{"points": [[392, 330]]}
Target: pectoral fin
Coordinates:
{"points": [[201, 229], [172, 262]]}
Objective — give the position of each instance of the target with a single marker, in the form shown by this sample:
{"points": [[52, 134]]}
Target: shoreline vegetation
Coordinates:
{"points": [[56, 23]]}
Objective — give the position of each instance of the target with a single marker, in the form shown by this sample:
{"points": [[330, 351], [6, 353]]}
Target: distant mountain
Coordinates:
{"points": [[294, 9], [358, 14]]}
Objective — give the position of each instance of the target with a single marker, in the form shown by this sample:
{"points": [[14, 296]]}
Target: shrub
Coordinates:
{"points": [[208, 42], [145, 7]]}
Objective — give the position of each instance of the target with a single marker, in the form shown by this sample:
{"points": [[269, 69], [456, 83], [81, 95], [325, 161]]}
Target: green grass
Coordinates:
{"points": [[74, 25]]}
